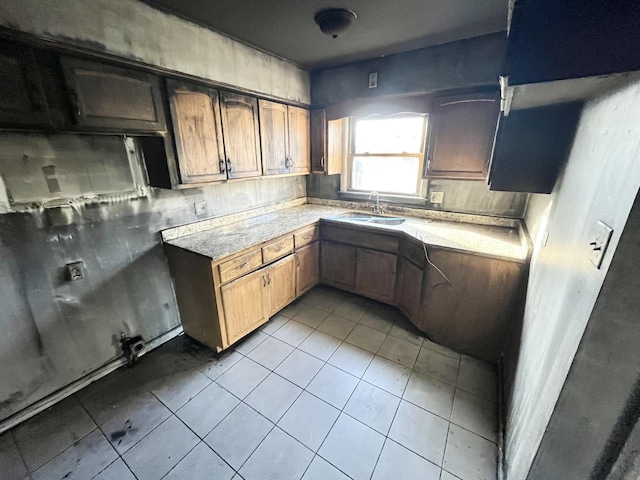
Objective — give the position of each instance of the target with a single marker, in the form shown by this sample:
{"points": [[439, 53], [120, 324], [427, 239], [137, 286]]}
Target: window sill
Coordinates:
{"points": [[387, 198]]}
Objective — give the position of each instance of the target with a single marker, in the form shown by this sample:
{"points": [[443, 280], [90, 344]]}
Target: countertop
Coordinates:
{"points": [[223, 241]]}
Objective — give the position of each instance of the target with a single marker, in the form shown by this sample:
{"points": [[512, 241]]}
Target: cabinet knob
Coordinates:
{"points": [[228, 166]]}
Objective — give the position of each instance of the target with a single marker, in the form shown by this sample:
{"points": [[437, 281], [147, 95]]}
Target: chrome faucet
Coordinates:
{"points": [[377, 208]]}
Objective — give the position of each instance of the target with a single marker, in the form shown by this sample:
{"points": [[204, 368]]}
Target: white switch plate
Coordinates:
{"points": [[436, 197], [200, 207], [373, 80], [598, 246]]}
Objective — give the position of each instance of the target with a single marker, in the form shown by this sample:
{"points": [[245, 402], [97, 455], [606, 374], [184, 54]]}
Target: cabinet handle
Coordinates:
{"points": [[268, 279], [223, 167], [73, 96], [228, 166], [307, 237], [264, 280], [322, 162], [242, 265]]}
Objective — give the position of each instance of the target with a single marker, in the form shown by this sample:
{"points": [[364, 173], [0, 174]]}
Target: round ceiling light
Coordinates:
{"points": [[334, 21]]}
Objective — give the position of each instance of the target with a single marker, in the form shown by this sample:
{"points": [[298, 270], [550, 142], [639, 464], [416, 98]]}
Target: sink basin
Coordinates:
{"points": [[369, 218]]}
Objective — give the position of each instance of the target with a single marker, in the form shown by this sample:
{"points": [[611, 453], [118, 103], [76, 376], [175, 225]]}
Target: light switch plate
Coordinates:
{"points": [[373, 80], [436, 197], [598, 246], [74, 271]]}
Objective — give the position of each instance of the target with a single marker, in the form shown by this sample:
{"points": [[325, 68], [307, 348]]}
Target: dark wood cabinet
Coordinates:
{"points": [[284, 136], [338, 265], [376, 274], [328, 143], [23, 102], [408, 287], [113, 98], [241, 135], [461, 133], [197, 128]]}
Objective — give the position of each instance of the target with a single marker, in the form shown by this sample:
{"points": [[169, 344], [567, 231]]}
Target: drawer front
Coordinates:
{"points": [[358, 238], [277, 249], [239, 266], [306, 237]]}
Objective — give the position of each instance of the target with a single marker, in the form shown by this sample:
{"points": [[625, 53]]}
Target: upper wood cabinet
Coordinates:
{"points": [[113, 98], [328, 143], [284, 136], [241, 135], [22, 99], [461, 133], [299, 145], [197, 128], [274, 137]]}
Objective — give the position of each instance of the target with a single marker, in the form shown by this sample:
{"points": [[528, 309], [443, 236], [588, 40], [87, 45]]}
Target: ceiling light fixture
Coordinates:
{"points": [[334, 21]]}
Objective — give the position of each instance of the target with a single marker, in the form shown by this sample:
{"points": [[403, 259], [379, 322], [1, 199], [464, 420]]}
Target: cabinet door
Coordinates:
{"points": [[281, 284], [241, 135], [318, 140], [338, 264], [22, 99], [299, 148], [461, 132], [113, 98], [197, 129], [376, 274], [307, 268], [245, 304], [273, 137], [408, 287]]}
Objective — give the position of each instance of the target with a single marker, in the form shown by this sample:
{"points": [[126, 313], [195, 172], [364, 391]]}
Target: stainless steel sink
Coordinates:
{"points": [[368, 218]]}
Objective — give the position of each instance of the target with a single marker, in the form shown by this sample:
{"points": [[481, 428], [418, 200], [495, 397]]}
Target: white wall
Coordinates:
{"points": [[132, 29], [600, 182]]}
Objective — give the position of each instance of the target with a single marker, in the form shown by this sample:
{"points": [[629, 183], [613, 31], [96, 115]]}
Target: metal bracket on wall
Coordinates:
{"points": [[598, 246]]}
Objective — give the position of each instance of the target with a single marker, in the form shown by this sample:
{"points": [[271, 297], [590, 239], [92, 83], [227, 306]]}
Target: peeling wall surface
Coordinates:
{"points": [[55, 331], [599, 183], [135, 30]]}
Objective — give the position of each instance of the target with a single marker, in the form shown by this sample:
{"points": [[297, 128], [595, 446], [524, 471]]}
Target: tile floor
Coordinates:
{"points": [[333, 387]]}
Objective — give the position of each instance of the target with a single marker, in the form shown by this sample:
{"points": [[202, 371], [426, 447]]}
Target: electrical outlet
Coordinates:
{"points": [[74, 271], [200, 207], [436, 197], [598, 246], [373, 80]]}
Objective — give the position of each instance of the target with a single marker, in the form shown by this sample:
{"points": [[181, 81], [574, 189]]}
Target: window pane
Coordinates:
{"points": [[385, 174], [389, 135]]}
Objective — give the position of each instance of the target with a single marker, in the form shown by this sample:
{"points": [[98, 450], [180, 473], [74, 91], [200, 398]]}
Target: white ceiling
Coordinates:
{"points": [[286, 27]]}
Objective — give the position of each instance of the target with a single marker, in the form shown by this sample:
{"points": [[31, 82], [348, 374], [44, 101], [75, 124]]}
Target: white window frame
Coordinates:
{"points": [[421, 183]]}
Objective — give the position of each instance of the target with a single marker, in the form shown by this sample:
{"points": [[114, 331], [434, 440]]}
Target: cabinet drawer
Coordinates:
{"points": [[306, 237], [375, 241], [277, 249], [239, 266]]}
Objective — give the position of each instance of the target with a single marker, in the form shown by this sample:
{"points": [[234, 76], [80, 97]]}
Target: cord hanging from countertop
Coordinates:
{"points": [[426, 255]]}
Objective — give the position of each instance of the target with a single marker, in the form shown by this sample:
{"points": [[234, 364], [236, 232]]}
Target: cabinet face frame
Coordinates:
{"points": [[483, 134], [71, 67], [216, 162]]}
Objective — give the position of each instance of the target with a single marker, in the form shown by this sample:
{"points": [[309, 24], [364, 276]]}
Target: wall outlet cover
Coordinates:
{"points": [[598, 246], [373, 80], [200, 207], [74, 271], [436, 197]]}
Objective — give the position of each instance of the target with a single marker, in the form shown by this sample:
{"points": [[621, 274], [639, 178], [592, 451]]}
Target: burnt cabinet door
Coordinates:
{"points": [[274, 137], [461, 132], [299, 148], [197, 129], [318, 140], [113, 98], [241, 135], [22, 97], [408, 287], [338, 264], [376, 274]]}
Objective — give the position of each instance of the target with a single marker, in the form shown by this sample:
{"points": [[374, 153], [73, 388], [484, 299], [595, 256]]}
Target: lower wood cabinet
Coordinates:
{"points": [[307, 268], [245, 304], [376, 274], [408, 287], [338, 265], [280, 289]]}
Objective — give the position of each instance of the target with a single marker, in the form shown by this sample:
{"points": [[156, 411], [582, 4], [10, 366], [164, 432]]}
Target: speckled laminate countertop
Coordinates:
{"points": [[222, 241]]}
